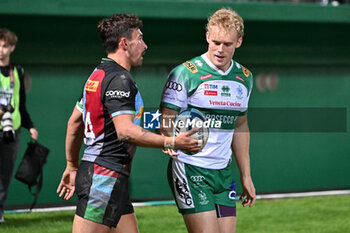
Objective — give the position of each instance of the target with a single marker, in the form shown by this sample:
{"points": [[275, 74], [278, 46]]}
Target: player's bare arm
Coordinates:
{"points": [[74, 139], [240, 148], [131, 133], [167, 116]]}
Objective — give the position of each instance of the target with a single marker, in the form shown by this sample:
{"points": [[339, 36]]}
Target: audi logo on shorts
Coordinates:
{"points": [[174, 86]]}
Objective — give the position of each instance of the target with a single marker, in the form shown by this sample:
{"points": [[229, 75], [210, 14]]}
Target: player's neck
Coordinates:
{"points": [[120, 59]]}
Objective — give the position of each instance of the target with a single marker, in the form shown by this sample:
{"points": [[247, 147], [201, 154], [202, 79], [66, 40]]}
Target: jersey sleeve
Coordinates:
{"points": [[79, 104], [175, 91], [119, 97], [249, 86]]}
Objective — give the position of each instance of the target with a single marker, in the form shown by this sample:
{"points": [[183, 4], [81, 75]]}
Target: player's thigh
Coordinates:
{"points": [[227, 224], [192, 187], [203, 222], [127, 224], [103, 194], [81, 225]]}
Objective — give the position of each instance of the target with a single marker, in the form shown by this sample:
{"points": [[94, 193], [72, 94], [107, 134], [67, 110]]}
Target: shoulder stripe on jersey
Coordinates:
{"points": [[170, 106], [79, 106], [123, 113]]}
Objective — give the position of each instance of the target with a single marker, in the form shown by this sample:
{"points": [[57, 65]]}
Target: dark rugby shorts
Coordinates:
{"points": [[103, 194]]}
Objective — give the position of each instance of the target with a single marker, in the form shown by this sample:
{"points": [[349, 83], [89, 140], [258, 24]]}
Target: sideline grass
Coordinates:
{"points": [[328, 214]]}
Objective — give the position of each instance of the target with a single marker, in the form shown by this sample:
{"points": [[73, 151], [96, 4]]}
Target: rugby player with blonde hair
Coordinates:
{"points": [[213, 83]]}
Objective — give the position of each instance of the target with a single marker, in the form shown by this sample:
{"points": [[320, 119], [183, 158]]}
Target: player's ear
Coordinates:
{"points": [[123, 43], [207, 36], [239, 42]]}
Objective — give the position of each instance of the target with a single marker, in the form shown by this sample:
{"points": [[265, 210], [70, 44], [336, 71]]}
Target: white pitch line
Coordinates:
{"points": [[54, 209], [260, 197], [303, 194]]}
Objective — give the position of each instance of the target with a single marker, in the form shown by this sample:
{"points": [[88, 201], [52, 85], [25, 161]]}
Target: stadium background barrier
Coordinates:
{"points": [[298, 53]]}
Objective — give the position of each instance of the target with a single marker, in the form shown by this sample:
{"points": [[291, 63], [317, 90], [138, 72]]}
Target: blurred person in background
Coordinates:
{"points": [[13, 112], [203, 184]]}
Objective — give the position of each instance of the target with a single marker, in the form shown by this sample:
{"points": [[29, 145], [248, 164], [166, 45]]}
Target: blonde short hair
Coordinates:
{"points": [[227, 20]]}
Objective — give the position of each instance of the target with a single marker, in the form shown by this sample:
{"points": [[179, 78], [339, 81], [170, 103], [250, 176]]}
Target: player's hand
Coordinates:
{"points": [[170, 152], [184, 141], [248, 194], [66, 188]]}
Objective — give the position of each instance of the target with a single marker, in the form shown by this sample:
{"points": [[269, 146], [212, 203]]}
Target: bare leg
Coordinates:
{"points": [[127, 224], [227, 224], [203, 222], [81, 225]]}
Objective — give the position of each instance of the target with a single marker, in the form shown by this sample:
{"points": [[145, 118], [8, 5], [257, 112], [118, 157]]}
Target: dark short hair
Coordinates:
{"points": [[113, 28], [8, 36]]}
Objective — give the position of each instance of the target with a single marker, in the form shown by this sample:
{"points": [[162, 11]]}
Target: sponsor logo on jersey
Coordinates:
{"points": [[240, 79], [245, 71], [224, 103], [238, 65], [138, 116], [182, 191], [206, 76], [239, 92], [190, 66], [212, 93], [174, 86], [232, 195], [91, 85], [225, 91], [199, 63], [197, 178], [210, 86], [203, 198], [221, 118], [117, 94]]}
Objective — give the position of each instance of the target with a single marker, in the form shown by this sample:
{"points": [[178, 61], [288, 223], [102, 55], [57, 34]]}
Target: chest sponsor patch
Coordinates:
{"points": [[117, 94], [239, 78], [190, 66], [212, 93], [91, 85], [206, 76]]}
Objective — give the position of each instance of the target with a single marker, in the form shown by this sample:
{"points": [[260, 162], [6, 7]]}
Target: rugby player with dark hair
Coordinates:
{"points": [[108, 116]]}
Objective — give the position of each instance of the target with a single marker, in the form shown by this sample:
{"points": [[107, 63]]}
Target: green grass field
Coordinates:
{"points": [[329, 214]]}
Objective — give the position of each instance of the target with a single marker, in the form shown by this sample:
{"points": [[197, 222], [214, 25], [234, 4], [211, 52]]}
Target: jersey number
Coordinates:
{"points": [[89, 133]]}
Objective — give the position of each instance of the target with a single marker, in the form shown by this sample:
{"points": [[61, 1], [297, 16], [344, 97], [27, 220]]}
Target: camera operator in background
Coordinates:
{"points": [[13, 112]]}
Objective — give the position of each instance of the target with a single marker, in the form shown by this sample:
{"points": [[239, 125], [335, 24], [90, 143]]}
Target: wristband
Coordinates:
{"points": [[72, 166], [169, 142]]}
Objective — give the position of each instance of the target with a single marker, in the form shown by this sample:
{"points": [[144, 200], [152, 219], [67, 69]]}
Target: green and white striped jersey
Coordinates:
{"points": [[220, 96]]}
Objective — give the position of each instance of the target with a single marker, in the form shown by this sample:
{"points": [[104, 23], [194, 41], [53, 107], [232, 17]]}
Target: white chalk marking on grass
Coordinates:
{"points": [[171, 202], [303, 194], [54, 209]]}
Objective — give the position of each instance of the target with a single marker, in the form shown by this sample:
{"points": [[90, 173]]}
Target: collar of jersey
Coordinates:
{"points": [[107, 59], [204, 57]]}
